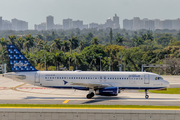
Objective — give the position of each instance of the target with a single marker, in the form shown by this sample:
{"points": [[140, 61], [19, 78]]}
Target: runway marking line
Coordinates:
{"points": [[90, 108], [66, 101]]}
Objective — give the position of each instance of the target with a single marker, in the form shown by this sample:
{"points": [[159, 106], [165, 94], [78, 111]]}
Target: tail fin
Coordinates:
{"points": [[17, 60]]}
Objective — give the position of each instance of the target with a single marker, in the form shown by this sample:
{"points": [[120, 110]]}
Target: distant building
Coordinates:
{"points": [[128, 24], [136, 23], [166, 24], [58, 26], [40, 27], [149, 25], [157, 23], [49, 22], [85, 26], [19, 24], [1, 23], [176, 24], [78, 24], [116, 22], [67, 24], [6, 25], [109, 23], [93, 25]]}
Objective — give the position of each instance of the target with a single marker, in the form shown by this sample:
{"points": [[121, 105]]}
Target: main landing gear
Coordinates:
{"points": [[91, 94], [146, 95]]}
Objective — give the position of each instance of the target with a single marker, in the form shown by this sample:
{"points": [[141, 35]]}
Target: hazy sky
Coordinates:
{"points": [[35, 11]]}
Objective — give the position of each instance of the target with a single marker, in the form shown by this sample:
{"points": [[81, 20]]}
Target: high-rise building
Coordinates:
{"points": [[149, 25], [49, 22], [41, 26], [128, 24], [6, 25], [78, 24], [19, 24], [85, 26], [67, 24], [116, 22], [1, 23], [58, 26], [109, 23], [136, 23], [166, 24], [157, 23], [93, 25]]}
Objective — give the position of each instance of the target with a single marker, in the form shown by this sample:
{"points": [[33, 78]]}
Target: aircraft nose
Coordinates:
{"points": [[166, 83]]}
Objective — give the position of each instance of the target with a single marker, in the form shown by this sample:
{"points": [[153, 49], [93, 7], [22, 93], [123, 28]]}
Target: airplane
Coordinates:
{"points": [[104, 83]]}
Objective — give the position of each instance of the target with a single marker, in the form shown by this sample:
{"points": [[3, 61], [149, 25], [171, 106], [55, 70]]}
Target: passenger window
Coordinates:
{"points": [[45, 77], [104, 77], [115, 78], [127, 78], [122, 78], [50, 77], [64, 77], [156, 78]]}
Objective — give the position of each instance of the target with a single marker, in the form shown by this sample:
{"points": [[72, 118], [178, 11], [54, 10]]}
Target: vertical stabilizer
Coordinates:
{"points": [[17, 60]]}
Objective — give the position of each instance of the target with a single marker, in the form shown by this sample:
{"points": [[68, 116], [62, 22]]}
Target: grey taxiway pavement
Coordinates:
{"points": [[13, 92]]}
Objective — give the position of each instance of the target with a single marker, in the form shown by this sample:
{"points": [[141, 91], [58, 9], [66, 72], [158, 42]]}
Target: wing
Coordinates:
{"points": [[93, 86]]}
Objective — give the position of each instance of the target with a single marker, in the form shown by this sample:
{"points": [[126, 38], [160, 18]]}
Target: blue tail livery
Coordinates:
{"points": [[17, 60]]}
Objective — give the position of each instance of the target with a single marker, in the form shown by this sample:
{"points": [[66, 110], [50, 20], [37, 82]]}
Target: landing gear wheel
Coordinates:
{"points": [[147, 96], [92, 94], [89, 96]]}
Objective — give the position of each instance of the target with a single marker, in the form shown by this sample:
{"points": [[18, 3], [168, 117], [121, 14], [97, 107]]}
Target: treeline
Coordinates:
{"points": [[84, 49]]}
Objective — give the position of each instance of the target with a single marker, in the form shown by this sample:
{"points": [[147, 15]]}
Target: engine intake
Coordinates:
{"points": [[108, 91]]}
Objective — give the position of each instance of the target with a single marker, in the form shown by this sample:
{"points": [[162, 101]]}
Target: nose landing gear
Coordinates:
{"points": [[146, 95]]}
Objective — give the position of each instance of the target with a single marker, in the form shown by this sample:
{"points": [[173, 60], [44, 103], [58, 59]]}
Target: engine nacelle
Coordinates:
{"points": [[108, 91]]}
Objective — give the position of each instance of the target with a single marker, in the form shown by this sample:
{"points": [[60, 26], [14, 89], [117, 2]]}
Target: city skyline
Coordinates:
{"points": [[89, 11]]}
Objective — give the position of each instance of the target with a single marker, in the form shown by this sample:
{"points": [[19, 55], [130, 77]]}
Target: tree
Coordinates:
{"points": [[119, 40], [81, 45], [95, 41], [57, 44], [73, 43], [12, 39], [110, 36], [20, 43], [77, 60], [29, 42]]}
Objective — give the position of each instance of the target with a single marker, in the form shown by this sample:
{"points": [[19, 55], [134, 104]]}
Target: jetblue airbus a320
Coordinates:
{"points": [[97, 83]]}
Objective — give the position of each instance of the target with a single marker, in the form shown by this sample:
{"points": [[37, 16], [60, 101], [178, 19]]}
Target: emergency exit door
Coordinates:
{"points": [[37, 78], [146, 79]]}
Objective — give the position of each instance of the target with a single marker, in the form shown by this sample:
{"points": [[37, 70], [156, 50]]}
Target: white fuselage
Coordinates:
{"points": [[122, 80]]}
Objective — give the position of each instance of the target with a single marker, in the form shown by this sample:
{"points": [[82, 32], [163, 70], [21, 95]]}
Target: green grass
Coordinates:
{"points": [[168, 91], [88, 106]]}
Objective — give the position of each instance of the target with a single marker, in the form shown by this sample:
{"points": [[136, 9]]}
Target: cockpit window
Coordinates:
{"points": [[158, 78]]}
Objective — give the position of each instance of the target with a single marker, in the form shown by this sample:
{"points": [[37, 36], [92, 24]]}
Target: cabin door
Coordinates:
{"points": [[37, 78], [146, 79]]}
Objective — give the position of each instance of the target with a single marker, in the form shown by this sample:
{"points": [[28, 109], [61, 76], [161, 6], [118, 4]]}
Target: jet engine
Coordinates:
{"points": [[108, 91]]}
